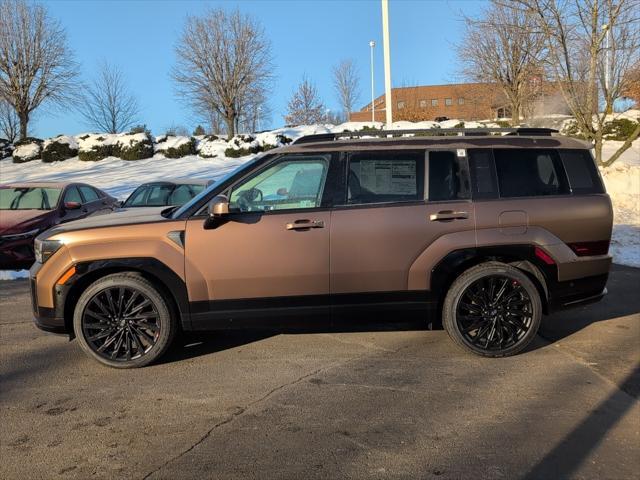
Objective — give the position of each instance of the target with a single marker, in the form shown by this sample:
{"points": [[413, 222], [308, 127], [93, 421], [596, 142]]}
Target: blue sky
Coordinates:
{"points": [[308, 37]]}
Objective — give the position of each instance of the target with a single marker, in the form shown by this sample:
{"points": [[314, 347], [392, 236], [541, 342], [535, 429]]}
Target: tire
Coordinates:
{"points": [[492, 310], [130, 312]]}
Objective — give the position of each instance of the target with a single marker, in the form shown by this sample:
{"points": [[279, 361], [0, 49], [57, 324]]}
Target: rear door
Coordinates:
{"points": [[396, 204]]}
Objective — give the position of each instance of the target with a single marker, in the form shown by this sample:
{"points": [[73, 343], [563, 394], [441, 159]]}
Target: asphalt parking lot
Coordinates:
{"points": [[379, 401]]}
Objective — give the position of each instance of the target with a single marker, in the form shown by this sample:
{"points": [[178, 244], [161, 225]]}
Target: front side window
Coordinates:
{"points": [[89, 193], [29, 198], [72, 195], [159, 195], [385, 177], [529, 173], [294, 183]]}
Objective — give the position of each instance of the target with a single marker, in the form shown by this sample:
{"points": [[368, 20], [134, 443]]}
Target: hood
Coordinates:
{"points": [[19, 221], [121, 217]]}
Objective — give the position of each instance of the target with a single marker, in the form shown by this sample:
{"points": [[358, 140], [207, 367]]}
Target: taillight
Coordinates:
{"points": [[587, 249], [544, 256]]}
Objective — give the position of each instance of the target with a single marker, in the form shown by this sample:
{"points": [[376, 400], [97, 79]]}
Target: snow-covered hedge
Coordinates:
{"points": [[133, 146], [127, 146], [27, 150], [172, 146], [6, 148], [59, 148], [242, 145]]}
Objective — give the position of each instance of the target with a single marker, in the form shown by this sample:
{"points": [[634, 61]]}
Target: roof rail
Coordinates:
{"points": [[427, 132]]}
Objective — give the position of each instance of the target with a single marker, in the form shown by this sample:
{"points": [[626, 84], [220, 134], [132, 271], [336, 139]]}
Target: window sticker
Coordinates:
{"points": [[389, 176]]}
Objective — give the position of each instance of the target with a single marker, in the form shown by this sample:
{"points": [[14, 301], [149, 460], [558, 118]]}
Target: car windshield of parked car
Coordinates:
{"points": [[245, 167], [29, 198]]}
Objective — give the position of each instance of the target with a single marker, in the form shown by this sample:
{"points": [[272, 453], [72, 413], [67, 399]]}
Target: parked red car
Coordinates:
{"points": [[26, 209]]}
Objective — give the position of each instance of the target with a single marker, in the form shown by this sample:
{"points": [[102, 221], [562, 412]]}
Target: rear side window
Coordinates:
{"points": [[529, 173], [385, 177], [581, 171], [483, 176], [448, 177]]}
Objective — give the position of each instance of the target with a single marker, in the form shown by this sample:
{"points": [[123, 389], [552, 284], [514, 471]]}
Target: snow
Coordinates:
{"points": [[120, 177], [27, 151], [71, 141], [170, 141]]}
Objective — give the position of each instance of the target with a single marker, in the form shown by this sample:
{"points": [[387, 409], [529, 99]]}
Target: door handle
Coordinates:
{"points": [[447, 215], [304, 224]]}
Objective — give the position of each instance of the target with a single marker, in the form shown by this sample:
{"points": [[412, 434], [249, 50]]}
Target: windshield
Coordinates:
{"points": [[207, 190], [29, 198]]}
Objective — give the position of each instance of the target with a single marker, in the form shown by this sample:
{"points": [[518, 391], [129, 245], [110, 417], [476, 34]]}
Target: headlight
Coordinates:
{"points": [[18, 236], [45, 248]]}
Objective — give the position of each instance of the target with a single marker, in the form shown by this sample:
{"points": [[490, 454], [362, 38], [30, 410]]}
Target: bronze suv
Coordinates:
{"points": [[487, 229]]}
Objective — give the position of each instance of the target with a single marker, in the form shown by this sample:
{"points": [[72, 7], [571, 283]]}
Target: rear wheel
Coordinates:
{"points": [[493, 310], [123, 321]]}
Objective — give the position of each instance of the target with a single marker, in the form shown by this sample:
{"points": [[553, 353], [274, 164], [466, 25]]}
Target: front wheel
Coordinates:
{"points": [[493, 310], [123, 321]]}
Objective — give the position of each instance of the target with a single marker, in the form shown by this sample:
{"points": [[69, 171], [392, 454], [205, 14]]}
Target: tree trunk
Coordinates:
{"points": [[231, 126], [24, 123], [598, 149]]}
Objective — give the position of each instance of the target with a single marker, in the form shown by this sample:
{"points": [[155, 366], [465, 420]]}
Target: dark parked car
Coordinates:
{"points": [[165, 193], [27, 209]]}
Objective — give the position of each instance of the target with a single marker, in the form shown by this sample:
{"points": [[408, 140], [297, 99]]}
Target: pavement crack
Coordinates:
{"points": [[241, 410]]}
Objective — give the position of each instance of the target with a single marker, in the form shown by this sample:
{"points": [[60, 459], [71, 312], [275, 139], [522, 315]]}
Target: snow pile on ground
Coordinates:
{"points": [[623, 185]]}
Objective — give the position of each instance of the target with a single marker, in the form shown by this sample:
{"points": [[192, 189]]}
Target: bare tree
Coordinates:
{"points": [[503, 47], [305, 106], [255, 113], [222, 59], [36, 65], [108, 104], [592, 45], [9, 122], [347, 85]]}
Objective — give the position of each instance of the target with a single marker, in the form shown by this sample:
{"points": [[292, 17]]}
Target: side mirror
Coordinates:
{"points": [[72, 205], [218, 206]]}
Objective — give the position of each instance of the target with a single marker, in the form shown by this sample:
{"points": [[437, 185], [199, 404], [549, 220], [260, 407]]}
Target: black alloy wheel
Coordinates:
{"points": [[493, 310], [124, 321], [121, 323]]}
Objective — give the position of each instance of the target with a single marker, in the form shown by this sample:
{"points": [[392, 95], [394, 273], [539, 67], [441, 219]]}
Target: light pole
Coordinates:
{"points": [[372, 44], [387, 64]]}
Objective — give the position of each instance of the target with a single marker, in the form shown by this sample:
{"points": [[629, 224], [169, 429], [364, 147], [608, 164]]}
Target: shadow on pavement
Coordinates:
{"points": [[567, 456]]}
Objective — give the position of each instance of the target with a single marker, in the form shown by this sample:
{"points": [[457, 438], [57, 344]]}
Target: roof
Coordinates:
{"points": [[179, 181], [442, 142], [39, 184]]}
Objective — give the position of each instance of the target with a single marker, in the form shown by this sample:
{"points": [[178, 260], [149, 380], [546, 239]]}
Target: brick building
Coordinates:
{"points": [[464, 101]]}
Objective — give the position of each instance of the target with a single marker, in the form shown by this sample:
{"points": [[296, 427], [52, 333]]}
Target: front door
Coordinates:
{"points": [[271, 251], [397, 205]]}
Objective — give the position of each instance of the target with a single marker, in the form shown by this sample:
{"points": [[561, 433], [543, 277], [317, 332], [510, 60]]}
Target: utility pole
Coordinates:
{"points": [[387, 63], [372, 44]]}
